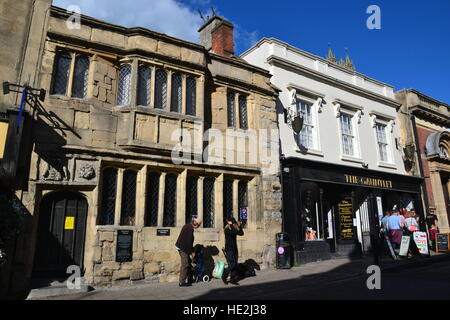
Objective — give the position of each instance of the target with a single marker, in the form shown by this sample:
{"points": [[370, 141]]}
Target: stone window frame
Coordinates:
{"points": [[236, 112], [251, 196], [170, 70], [120, 171], [74, 55]]}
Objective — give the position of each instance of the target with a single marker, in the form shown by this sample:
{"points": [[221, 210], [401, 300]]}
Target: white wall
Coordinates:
{"points": [[328, 124]]}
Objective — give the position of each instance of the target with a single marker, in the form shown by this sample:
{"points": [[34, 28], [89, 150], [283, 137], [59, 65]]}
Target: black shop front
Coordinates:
{"points": [[331, 210]]}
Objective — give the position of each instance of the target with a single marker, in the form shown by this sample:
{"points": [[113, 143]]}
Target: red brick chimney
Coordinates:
{"points": [[216, 35]]}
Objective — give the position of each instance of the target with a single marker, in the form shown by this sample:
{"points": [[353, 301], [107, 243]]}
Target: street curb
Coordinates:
{"points": [[417, 263]]}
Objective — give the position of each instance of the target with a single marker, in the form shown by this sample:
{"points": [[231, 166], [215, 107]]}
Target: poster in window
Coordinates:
{"points": [[346, 230]]}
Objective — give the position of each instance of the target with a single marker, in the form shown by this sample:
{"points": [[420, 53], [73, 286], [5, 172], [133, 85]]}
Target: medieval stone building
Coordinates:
{"points": [[425, 126], [138, 133]]}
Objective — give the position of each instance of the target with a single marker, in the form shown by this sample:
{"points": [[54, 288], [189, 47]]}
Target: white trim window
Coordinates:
{"points": [[307, 136], [348, 136], [382, 142]]}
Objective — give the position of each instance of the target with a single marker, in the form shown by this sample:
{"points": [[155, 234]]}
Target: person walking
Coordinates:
{"points": [[394, 227], [411, 223], [184, 245], [232, 229]]}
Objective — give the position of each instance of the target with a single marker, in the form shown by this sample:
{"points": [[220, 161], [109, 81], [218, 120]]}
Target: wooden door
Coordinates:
{"points": [[61, 234]]}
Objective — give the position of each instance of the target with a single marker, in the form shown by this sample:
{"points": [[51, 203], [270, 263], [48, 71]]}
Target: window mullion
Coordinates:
{"points": [[71, 72], [152, 87], [134, 80], [237, 120], [119, 197], [183, 93], [169, 91]]}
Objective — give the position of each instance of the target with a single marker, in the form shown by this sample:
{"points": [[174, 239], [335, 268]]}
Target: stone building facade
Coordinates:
{"points": [[425, 124], [139, 132], [344, 167]]}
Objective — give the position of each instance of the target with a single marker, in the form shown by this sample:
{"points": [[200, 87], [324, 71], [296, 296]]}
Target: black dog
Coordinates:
{"points": [[245, 270]]}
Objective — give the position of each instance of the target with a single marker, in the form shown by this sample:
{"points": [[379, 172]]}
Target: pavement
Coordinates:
{"points": [[267, 284]]}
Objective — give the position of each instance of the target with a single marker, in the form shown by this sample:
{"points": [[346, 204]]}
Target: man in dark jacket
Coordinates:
{"points": [[184, 246], [231, 230]]}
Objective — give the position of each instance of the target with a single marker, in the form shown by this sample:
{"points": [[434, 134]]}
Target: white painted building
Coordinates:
{"points": [[349, 148]]}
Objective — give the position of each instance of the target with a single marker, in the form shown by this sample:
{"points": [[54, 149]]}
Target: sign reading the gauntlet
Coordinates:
{"points": [[366, 181]]}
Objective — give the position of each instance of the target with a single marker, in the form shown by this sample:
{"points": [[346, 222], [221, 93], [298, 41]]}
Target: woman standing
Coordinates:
{"points": [[231, 230]]}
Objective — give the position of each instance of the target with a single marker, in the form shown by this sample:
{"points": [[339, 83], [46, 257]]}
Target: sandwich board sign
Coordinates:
{"points": [[420, 238], [404, 246]]}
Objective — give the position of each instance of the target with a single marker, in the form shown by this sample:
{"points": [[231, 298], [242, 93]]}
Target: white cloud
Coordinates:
{"points": [[166, 16]]}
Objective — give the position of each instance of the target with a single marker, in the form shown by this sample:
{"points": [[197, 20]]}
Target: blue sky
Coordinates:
{"points": [[412, 49]]}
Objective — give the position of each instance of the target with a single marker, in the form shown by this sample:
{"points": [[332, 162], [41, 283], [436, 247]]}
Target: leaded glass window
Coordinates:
{"points": [[161, 89], [128, 210], [80, 77], [227, 200], [177, 95], [170, 200], [124, 87], [231, 110], [243, 112], [191, 95], [151, 215], [382, 142], [108, 196], [144, 85], [61, 75], [242, 200], [208, 203], [191, 198], [347, 135], [306, 135]]}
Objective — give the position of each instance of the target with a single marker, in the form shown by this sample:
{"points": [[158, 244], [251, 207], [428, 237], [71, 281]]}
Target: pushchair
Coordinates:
{"points": [[199, 271]]}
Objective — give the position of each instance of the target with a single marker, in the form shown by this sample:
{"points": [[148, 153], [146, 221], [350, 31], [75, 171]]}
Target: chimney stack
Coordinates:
{"points": [[216, 35]]}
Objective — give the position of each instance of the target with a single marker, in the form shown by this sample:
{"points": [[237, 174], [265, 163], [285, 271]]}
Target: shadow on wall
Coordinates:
{"points": [[15, 228]]}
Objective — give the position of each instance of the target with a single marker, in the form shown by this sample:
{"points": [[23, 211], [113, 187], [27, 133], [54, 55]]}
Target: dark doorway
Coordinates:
{"points": [[61, 234], [445, 189]]}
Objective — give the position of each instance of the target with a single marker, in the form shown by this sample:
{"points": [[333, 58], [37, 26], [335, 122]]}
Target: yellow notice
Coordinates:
{"points": [[3, 134], [70, 223]]}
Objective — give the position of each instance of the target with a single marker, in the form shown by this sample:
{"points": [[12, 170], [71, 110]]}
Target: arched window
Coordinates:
{"points": [[108, 200], [124, 86], [191, 95], [144, 85], [80, 77], [177, 96], [161, 89]]}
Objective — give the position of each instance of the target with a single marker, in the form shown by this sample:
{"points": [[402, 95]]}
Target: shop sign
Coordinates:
{"points": [[243, 213], [163, 232], [347, 231], [3, 135], [366, 181], [420, 238], [404, 246], [124, 250], [69, 223], [442, 242]]}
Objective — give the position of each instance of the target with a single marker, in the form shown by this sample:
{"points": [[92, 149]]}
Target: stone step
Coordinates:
{"points": [[42, 288]]}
